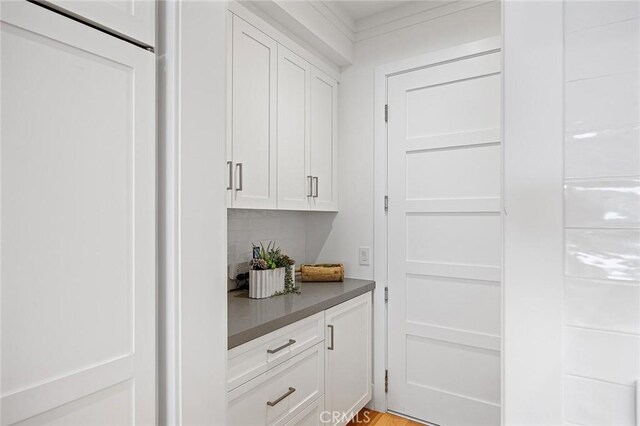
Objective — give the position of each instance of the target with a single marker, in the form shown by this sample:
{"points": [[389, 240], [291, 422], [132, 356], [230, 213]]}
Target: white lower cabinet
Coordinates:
{"points": [[326, 383], [279, 394], [348, 359], [310, 416]]}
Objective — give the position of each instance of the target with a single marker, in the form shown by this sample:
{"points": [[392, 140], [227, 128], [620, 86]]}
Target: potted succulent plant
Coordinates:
{"points": [[271, 272]]}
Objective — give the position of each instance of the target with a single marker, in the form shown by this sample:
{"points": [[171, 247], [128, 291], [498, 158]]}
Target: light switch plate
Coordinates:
{"points": [[365, 256]]}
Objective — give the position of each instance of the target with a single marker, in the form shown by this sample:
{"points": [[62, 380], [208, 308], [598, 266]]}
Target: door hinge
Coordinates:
{"points": [[386, 203], [386, 381], [386, 113], [386, 294]]}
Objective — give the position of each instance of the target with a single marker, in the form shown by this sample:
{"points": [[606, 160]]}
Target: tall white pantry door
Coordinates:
{"points": [[444, 249], [77, 229]]}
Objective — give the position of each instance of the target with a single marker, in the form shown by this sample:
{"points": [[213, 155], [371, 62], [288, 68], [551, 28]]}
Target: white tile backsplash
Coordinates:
{"points": [[603, 254], [612, 357], [602, 211], [602, 103], [580, 15], [245, 227], [603, 50], [596, 403], [603, 203], [603, 305], [604, 152]]}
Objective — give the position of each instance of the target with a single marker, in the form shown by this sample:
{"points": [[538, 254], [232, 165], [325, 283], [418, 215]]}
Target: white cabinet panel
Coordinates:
{"points": [[324, 131], [133, 19], [348, 358], [78, 215], [255, 61], [294, 83]]}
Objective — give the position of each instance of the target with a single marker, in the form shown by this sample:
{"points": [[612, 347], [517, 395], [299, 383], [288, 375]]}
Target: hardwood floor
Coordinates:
{"points": [[375, 418]]}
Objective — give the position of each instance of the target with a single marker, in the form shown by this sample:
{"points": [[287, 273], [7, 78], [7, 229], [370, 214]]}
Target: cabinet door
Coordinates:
{"points": [[324, 130], [78, 223], [255, 61], [294, 81], [133, 19], [348, 359]]}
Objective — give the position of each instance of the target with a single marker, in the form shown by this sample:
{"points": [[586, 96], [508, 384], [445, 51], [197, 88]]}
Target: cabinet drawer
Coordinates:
{"points": [[277, 396], [310, 416], [253, 358]]}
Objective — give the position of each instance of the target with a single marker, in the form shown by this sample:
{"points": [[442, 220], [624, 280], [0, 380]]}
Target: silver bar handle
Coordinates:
{"points": [[330, 347], [239, 185], [279, 348], [310, 188], [230, 168], [289, 392], [315, 195]]}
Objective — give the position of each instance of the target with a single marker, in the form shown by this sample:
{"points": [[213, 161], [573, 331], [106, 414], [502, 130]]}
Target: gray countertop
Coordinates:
{"points": [[252, 318]]}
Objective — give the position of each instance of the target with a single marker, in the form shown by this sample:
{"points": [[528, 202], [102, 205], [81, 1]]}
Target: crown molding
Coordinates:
{"points": [[330, 31], [337, 16], [390, 20], [409, 15]]}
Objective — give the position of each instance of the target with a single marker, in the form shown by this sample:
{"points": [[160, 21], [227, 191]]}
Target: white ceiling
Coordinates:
{"points": [[359, 9]]}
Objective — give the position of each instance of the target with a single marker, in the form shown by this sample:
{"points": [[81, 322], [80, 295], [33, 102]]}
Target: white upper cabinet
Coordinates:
{"points": [[294, 176], [282, 146], [132, 19], [78, 208], [324, 132], [254, 125]]}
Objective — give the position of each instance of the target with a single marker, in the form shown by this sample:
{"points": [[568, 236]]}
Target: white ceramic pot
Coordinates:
{"points": [[265, 283]]}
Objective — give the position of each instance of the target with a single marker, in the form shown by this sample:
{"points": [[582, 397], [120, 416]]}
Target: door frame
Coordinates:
{"points": [[380, 264]]}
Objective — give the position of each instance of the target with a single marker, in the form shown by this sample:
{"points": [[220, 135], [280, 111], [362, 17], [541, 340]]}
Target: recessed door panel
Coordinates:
{"points": [[77, 221]]}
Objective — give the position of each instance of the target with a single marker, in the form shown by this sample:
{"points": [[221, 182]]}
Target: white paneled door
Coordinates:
{"points": [[77, 223], [444, 233]]}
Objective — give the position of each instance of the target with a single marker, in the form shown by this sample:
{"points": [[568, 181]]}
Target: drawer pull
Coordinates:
{"points": [[330, 347], [279, 348], [289, 392]]}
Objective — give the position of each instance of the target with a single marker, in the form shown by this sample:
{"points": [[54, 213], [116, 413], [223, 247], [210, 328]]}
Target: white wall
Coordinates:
{"points": [[533, 243], [338, 237], [193, 311], [602, 211]]}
